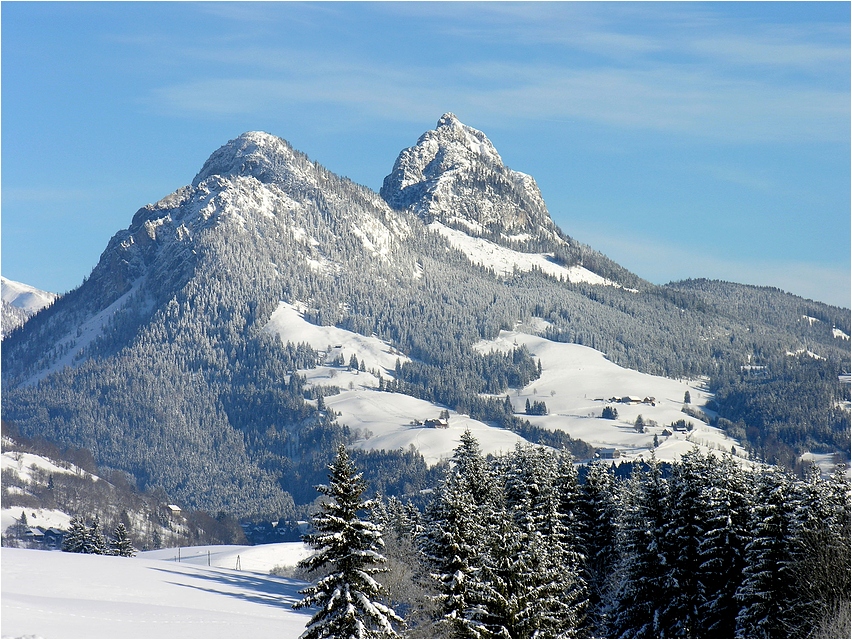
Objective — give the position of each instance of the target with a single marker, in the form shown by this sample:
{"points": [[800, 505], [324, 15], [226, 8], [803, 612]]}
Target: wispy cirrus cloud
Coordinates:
{"points": [[677, 100]]}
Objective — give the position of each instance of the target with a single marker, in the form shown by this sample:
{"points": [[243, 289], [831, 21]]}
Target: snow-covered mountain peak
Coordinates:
{"points": [[454, 175], [260, 155], [20, 302]]}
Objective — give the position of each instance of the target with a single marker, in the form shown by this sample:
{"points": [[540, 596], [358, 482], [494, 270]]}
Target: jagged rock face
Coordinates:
{"points": [[454, 175]]}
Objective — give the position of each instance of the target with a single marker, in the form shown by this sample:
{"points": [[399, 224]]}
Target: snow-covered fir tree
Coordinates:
{"points": [[683, 533], [76, 537], [120, 543], [639, 597], [768, 578], [95, 543], [722, 549], [597, 518], [349, 552], [453, 541]]}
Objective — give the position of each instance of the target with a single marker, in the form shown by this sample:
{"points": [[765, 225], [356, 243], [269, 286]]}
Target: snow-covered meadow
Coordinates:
{"points": [[576, 384], [51, 594]]}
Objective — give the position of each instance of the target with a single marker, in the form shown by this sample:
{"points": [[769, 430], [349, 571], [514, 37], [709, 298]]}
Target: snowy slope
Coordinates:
{"points": [[53, 594], [25, 297], [577, 382], [384, 419], [25, 466], [20, 302], [503, 261], [573, 380]]}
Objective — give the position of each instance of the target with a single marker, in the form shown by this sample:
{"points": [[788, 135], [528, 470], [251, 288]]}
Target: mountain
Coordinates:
{"points": [[217, 339], [20, 302]]}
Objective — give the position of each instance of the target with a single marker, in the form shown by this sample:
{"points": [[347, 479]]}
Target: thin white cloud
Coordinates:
{"points": [[677, 100]]}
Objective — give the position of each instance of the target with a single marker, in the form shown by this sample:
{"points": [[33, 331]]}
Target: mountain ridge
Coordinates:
{"points": [[160, 362]]}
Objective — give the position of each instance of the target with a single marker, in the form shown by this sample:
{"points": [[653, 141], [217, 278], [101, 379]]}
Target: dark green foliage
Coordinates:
{"points": [[349, 554], [120, 543], [609, 413], [536, 408], [788, 406]]}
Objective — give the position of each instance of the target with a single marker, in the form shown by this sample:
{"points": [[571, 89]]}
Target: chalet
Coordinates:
{"points": [[437, 423], [666, 432], [631, 400], [174, 510], [34, 533], [608, 454]]}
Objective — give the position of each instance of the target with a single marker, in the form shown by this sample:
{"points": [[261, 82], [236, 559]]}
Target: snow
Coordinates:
{"points": [[80, 338], [288, 322], [388, 416], [261, 558], [68, 595], [25, 297], [837, 333], [825, 461], [809, 353], [577, 383], [383, 418], [45, 518], [504, 261], [578, 376], [22, 465]]}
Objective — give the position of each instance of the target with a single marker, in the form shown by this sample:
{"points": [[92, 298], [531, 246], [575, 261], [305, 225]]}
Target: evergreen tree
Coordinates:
{"points": [[683, 533], [76, 537], [722, 550], [639, 597], [454, 540], [120, 544], [348, 549], [768, 580], [598, 511], [94, 542]]}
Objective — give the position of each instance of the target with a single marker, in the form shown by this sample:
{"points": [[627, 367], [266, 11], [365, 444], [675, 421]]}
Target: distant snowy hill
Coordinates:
{"points": [[20, 302], [53, 594]]}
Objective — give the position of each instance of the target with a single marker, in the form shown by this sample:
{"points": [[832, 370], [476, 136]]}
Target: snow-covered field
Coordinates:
{"points": [[577, 382], [574, 379], [51, 594]]}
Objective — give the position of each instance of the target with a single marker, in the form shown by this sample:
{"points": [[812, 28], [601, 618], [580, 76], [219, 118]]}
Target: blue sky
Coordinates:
{"points": [[682, 140]]}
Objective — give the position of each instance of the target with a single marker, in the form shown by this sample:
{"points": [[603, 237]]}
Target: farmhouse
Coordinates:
{"points": [[608, 454], [437, 423]]}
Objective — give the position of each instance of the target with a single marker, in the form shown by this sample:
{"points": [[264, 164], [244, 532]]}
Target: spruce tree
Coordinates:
{"points": [[768, 580], [348, 550], [120, 544], [455, 540], [683, 532], [722, 550], [598, 512], [94, 542], [76, 537], [639, 596]]}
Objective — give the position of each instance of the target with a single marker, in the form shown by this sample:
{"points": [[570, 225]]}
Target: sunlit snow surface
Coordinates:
{"points": [[51, 594], [503, 261], [577, 382], [573, 379], [384, 419]]}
